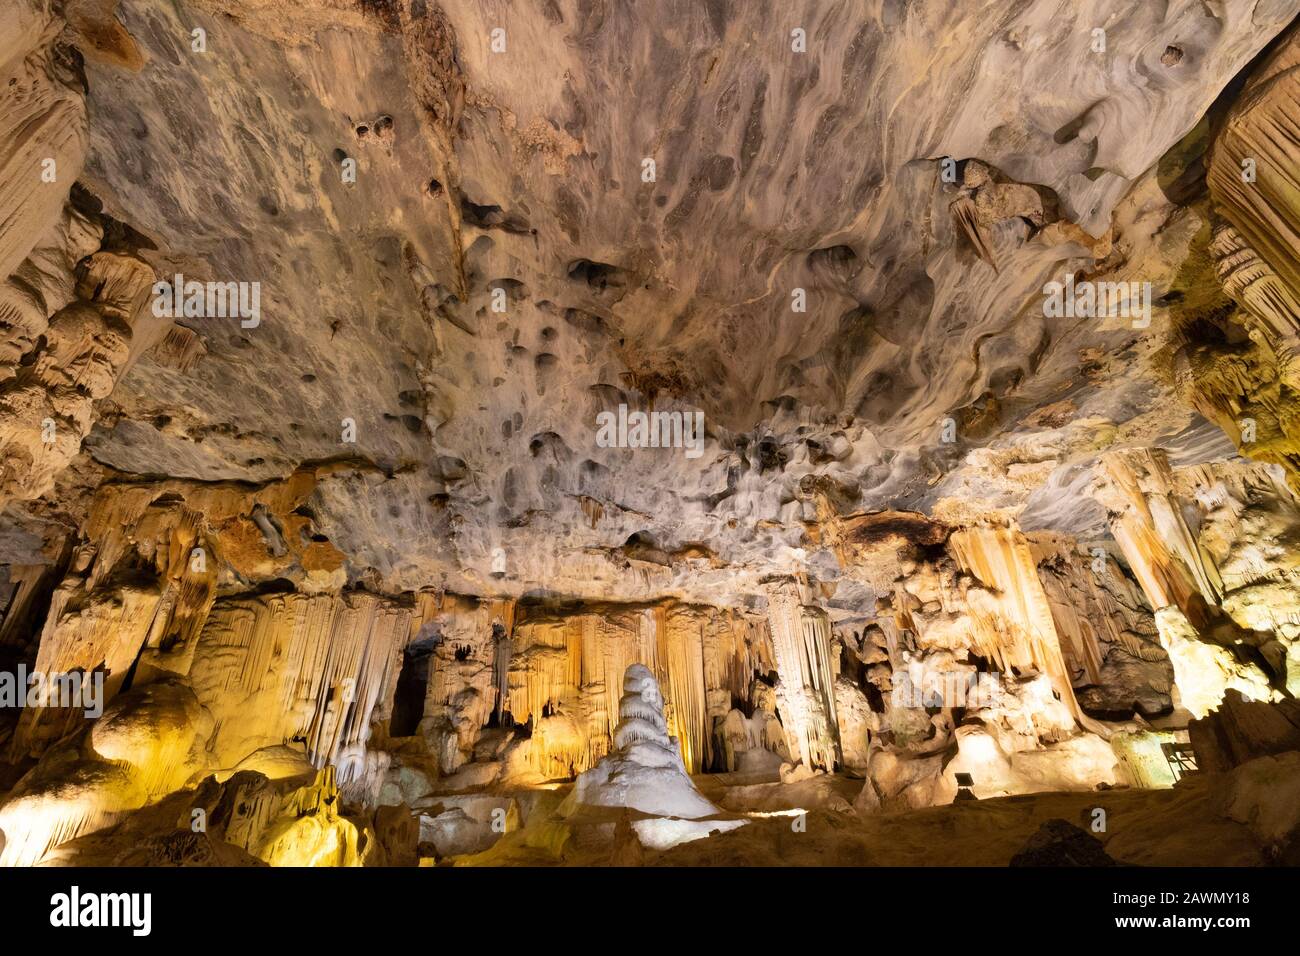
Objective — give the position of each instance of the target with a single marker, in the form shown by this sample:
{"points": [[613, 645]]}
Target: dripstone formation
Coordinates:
{"points": [[579, 432]]}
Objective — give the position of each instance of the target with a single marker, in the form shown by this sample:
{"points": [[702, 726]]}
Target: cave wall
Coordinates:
{"points": [[821, 589]]}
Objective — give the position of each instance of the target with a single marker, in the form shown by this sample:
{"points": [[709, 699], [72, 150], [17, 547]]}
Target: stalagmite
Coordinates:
{"points": [[464, 683], [147, 745], [310, 831], [644, 773], [562, 664]]}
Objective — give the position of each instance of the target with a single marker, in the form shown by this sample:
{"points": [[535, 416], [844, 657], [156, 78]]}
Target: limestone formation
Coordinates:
{"points": [[644, 773], [449, 433]]}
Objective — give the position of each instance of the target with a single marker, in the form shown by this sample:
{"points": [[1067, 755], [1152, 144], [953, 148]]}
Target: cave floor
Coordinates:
{"points": [[1175, 827], [1183, 826]]}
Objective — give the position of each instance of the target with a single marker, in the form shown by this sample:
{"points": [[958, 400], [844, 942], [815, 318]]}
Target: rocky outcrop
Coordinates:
{"points": [[146, 745], [1061, 843], [1109, 639], [1223, 595], [1241, 730], [286, 826]]}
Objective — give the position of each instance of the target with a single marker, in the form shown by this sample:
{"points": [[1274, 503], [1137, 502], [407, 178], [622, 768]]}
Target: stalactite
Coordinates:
{"points": [[736, 648], [103, 635], [42, 117], [312, 668], [1248, 279], [23, 583], [563, 662], [965, 215], [1108, 634], [462, 691], [1013, 620], [806, 688], [144, 577], [1148, 525], [179, 349], [682, 667], [1206, 623], [502, 652], [1262, 127], [1257, 229], [1080, 642], [548, 667]]}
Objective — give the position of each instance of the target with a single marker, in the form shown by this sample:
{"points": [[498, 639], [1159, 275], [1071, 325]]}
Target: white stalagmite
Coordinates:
{"points": [[644, 774], [571, 663]]}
